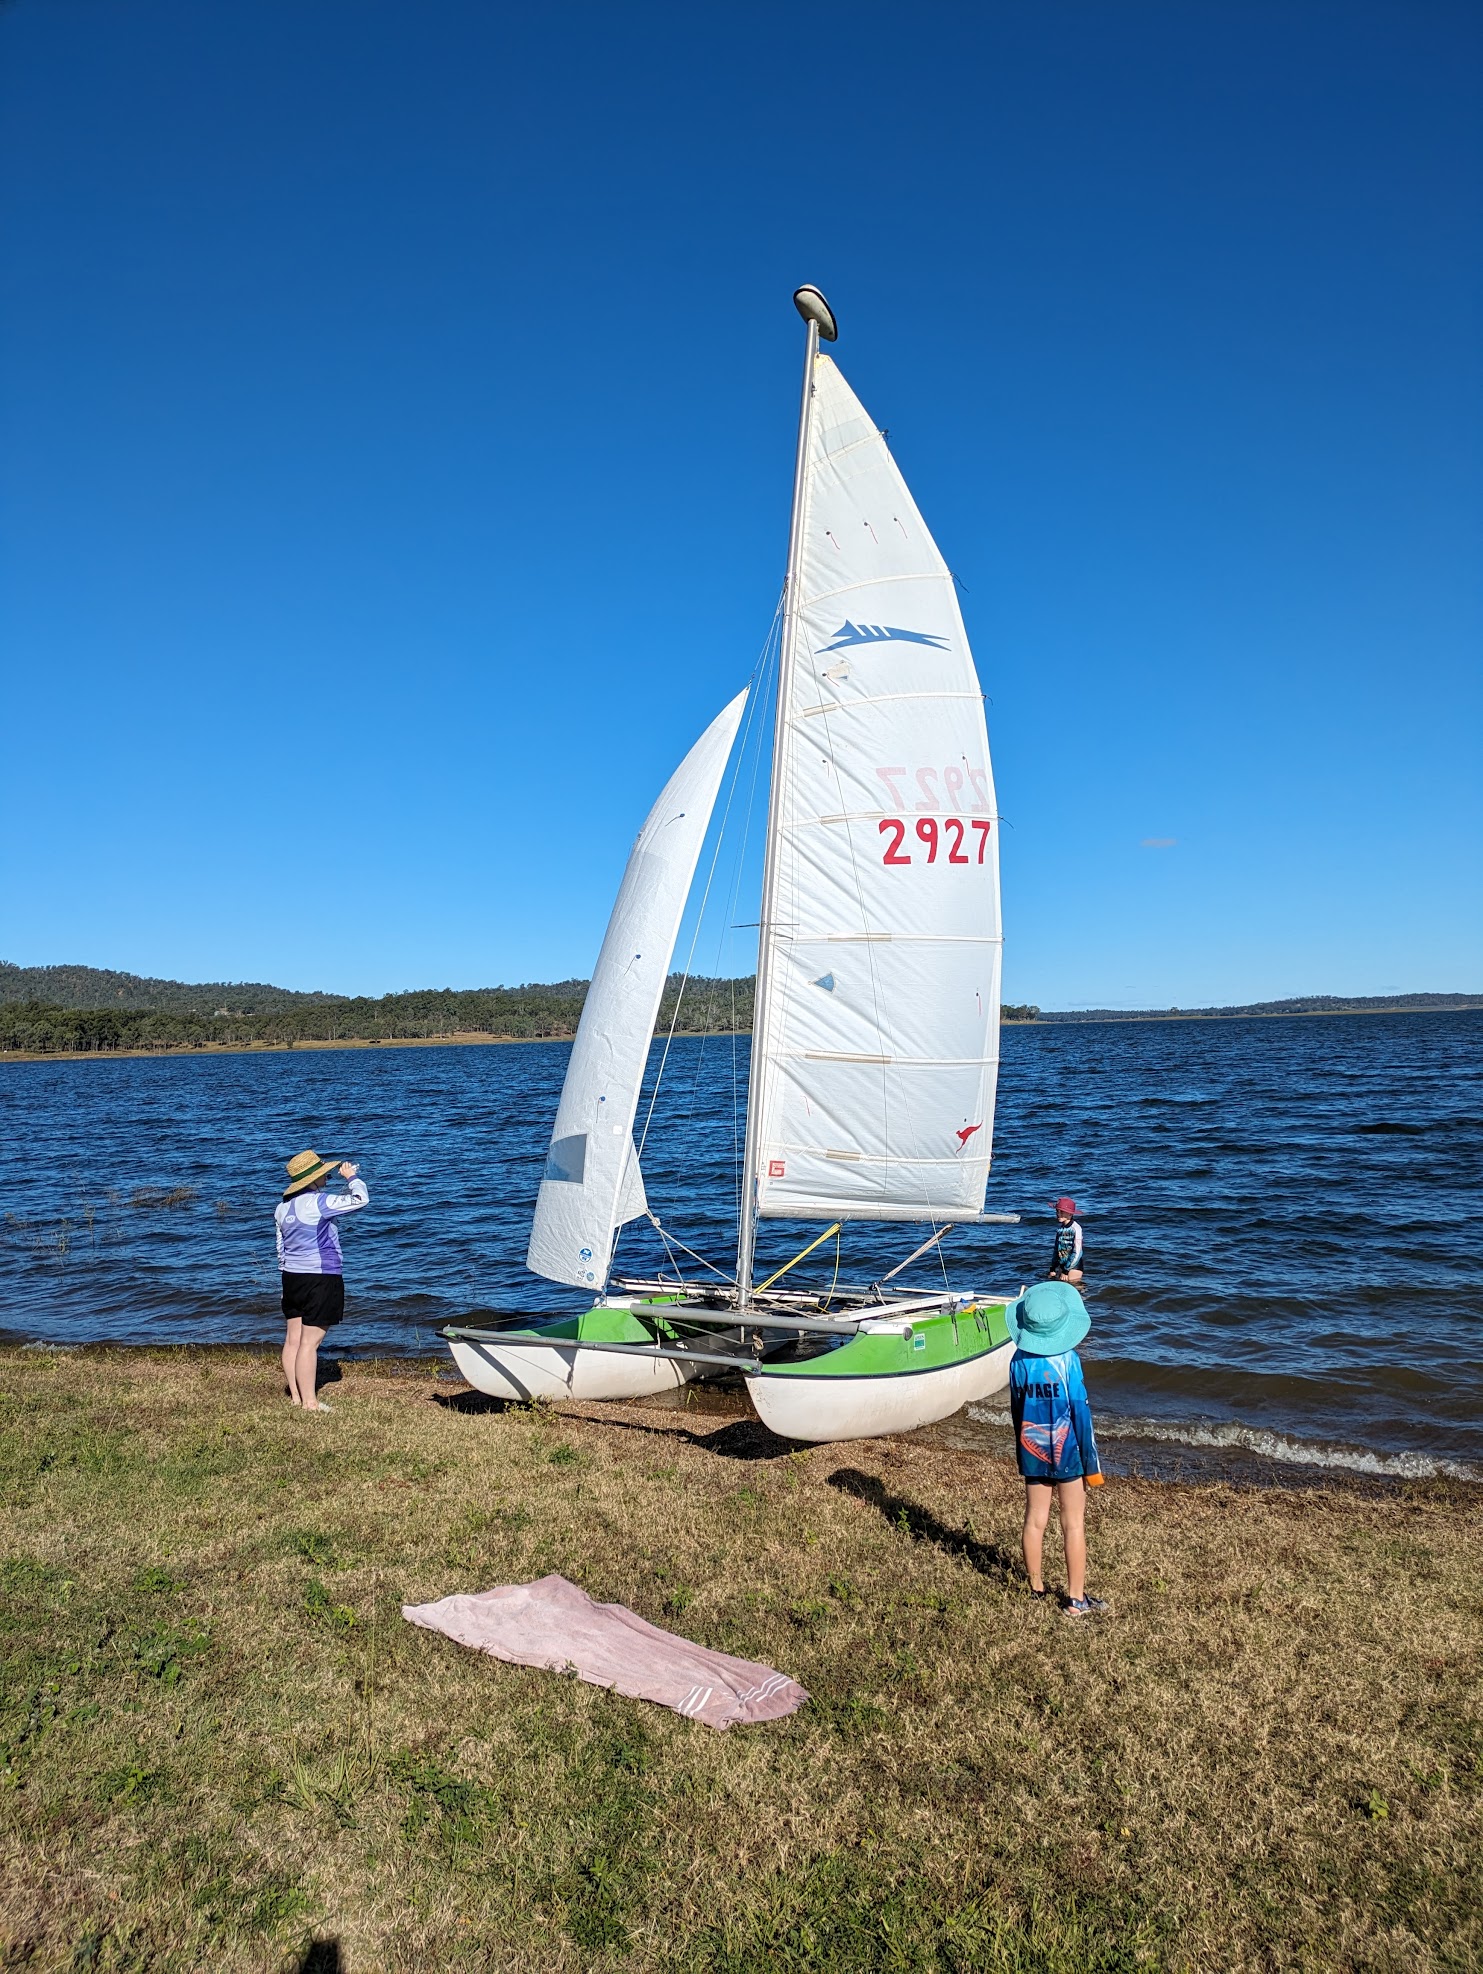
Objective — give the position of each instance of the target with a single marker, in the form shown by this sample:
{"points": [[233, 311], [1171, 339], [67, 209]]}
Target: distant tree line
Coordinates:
{"points": [[82, 1010], [1296, 1004], [706, 1007]]}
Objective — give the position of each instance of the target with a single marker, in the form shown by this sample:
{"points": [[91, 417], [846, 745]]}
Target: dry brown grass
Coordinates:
{"points": [[222, 1743]]}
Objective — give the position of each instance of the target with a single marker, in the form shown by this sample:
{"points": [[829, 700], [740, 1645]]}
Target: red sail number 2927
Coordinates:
{"points": [[948, 835]]}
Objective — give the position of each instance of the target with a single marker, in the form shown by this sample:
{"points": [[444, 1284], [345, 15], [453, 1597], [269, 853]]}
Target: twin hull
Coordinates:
{"points": [[895, 1374], [533, 1364]]}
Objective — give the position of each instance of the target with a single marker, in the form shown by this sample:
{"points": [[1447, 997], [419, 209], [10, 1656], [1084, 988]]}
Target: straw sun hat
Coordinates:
{"points": [[305, 1169]]}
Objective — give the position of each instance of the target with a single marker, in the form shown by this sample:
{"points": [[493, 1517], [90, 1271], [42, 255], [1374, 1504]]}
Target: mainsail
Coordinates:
{"points": [[876, 1039], [592, 1184]]}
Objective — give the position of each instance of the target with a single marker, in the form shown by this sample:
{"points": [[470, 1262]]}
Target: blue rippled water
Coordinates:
{"points": [[1284, 1217]]}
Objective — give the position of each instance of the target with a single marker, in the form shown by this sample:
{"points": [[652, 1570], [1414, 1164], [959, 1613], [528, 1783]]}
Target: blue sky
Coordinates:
{"points": [[398, 410]]}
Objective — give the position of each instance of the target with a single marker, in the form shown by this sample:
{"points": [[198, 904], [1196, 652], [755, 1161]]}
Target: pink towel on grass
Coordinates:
{"points": [[552, 1623]]}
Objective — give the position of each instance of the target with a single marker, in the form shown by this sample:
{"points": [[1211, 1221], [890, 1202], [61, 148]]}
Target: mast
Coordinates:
{"points": [[819, 317]]}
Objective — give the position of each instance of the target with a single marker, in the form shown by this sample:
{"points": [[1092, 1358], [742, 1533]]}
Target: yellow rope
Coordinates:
{"points": [[797, 1258]]}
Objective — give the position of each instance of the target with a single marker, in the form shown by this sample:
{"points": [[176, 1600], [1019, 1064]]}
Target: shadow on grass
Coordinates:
{"points": [[320, 1957], [471, 1403], [742, 1439], [923, 1526]]}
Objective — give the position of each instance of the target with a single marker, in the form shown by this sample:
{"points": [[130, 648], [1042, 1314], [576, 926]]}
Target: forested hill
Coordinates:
{"points": [[98, 987], [231, 1014], [69, 1009]]}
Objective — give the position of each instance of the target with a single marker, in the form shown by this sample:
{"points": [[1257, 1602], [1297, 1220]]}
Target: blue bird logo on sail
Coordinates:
{"points": [[849, 633]]}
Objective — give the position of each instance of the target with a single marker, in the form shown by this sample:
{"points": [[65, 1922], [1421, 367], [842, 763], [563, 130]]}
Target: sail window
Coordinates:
{"points": [[567, 1159]]}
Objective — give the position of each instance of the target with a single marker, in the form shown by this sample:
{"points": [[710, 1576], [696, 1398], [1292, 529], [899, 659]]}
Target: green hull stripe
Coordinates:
{"points": [[872, 1377], [598, 1325], [937, 1343]]}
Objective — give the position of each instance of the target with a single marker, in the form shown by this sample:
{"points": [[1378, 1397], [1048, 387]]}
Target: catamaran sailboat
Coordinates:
{"points": [[876, 1029]]}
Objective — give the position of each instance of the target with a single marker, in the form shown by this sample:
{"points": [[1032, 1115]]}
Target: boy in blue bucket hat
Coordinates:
{"points": [[1053, 1431]]}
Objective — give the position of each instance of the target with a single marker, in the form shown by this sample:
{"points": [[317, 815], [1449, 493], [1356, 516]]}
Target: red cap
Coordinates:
{"points": [[1066, 1206]]}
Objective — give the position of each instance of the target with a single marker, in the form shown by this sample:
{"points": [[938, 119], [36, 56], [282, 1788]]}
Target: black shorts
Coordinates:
{"points": [[318, 1300]]}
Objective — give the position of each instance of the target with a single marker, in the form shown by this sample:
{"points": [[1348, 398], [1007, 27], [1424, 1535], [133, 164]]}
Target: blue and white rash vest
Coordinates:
{"points": [[1052, 1415], [1068, 1248], [308, 1239]]}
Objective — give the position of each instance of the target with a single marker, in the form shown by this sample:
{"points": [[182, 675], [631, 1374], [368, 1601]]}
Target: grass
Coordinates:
{"points": [[220, 1744]]}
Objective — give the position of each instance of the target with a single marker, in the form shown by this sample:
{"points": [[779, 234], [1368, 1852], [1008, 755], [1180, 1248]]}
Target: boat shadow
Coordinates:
{"points": [[471, 1403], [739, 1439], [923, 1526]]}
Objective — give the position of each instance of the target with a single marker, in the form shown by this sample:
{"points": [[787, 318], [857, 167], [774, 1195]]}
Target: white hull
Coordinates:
{"points": [[827, 1408], [523, 1371]]}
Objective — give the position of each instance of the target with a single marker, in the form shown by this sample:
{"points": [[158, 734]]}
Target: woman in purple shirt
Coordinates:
{"points": [[312, 1266]]}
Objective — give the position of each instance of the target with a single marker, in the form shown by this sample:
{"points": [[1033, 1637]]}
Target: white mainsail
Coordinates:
{"points": [[592, 1184], [876, 1038]]}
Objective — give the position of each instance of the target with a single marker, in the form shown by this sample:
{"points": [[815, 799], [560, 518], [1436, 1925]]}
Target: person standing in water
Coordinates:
{"points": [[1066, 1256], [312, 1266]]}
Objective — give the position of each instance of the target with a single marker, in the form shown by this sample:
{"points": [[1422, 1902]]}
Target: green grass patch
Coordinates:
{"points": [[221, 1746]]}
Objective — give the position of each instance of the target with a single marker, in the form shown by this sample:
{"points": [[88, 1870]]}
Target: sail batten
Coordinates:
{"points": [[875, 1047], [592, 1184], [880, 699]]}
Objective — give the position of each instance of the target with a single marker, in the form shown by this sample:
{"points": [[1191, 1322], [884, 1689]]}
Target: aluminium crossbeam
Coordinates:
{"points": [[508, 1338]]}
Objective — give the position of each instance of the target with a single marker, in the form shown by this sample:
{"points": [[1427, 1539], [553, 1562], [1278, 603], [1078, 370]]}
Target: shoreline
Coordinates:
{"points": [[478, 1038], [459, 1039], [969, 1438]]}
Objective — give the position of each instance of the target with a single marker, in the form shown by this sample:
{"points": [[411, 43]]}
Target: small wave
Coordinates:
{"points": [[1267, 1446], [1388, 1130]]}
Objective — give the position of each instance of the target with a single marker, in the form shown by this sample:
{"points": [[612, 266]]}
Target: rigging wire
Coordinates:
{"points": [[725, 924], [751, 727], [710, 878], [671, 1240], [766, 670]]}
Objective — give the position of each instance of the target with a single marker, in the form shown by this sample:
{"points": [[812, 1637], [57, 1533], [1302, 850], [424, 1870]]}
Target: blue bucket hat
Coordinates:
{"points": [[1048, 1318]]}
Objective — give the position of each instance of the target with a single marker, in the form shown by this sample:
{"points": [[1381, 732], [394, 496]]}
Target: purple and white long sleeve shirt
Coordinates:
{"points": [[308, 1239]]}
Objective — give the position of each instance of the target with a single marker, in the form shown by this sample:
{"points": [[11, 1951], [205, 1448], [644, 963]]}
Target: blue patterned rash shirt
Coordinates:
{"points": [[1069, 1248], [1053, 1437]]}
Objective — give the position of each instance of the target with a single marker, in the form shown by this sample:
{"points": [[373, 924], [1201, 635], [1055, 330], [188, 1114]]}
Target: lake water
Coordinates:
{"points": [[1284, 1217]]}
